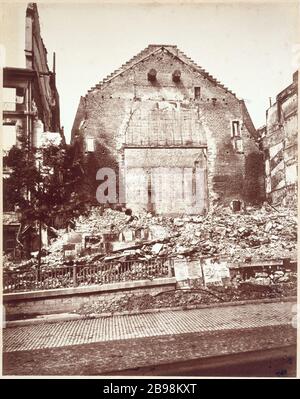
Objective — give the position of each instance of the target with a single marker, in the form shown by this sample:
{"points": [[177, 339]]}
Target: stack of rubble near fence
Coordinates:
{"points": [[254, 234], [265, 278]]}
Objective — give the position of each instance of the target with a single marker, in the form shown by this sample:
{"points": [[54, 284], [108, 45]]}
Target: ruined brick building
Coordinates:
{"points": [[279, 143], [167, 122]]}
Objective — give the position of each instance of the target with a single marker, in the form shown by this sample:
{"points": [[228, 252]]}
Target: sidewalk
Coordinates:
{"points": [[104, 329]]}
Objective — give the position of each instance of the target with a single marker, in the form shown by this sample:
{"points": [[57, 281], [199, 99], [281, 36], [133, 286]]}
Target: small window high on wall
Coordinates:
{"points": [[89, 142], [236, 129], [239, 145], [197, 93]]}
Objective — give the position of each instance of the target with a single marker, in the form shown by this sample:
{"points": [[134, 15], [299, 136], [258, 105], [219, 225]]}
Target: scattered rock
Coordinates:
{"points": [[157, 248], [268, 226], [257, 233], [178, 222]]}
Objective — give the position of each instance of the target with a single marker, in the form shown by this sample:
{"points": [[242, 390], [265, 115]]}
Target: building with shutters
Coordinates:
{"points": [[182, 140], [279, 144]]}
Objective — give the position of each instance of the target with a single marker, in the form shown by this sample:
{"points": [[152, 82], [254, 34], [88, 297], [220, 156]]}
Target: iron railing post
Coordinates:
{"points": [[74, 276], [170, 274]]}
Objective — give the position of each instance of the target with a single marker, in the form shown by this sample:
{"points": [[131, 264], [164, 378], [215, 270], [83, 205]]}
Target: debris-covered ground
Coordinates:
{"points": [[254, 234], [258, 234], [184, 298]]}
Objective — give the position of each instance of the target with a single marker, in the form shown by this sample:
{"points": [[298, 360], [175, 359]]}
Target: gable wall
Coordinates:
{"points": [[131, 110]]}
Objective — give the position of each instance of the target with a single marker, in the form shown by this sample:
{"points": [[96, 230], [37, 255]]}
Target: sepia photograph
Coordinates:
{"points": [[149, 190]]}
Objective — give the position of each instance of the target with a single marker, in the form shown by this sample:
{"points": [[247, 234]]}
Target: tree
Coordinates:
{"points": [[44, 186]]}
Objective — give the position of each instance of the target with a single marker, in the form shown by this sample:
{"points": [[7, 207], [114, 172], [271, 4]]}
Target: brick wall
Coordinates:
{"points": [[130, 110]]}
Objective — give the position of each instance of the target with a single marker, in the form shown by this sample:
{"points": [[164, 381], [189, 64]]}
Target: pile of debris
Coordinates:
{"points": [[253, 234]]}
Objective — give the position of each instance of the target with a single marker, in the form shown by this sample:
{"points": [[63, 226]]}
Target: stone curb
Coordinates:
{"points": [[56, 318]]}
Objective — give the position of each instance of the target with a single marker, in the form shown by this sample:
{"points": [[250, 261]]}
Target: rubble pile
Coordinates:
{"points": [[54, 257], [258, 235], [254, 234], [186, 298], [8, 262], [99, 221]]}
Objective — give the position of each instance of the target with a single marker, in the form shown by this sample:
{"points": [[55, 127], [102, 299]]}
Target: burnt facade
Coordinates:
{"points": [[183, 141], [279, 143]]}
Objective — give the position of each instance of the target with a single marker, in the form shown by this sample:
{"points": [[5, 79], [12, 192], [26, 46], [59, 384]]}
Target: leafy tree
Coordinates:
{"points": [[45, 186], [43, 183]]}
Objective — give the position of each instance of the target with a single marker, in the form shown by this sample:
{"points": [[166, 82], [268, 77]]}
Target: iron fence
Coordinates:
{"points": [[81, 275]]}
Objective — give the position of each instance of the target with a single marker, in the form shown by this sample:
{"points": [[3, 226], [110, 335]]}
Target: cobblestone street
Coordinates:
{"points": [[54, 335]]}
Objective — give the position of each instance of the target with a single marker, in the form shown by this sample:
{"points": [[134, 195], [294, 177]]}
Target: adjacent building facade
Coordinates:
{"points": [[31, 115], [279, 143], [182, 140], [30, 97]]}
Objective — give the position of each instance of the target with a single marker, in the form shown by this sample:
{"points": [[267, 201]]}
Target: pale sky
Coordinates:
{"points": [[250, 48]]}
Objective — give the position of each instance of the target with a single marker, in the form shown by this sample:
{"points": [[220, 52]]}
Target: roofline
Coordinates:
{"points": [[107, 80], [163, 45], [199, 69]]}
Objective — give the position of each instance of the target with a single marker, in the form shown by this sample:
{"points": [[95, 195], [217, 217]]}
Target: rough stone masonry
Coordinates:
{"points": [[184, 141]]}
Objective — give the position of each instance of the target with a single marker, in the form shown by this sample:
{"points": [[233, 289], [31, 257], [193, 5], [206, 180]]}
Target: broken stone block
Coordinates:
{"points": [[279, 273], [261, 275], [197, 219], [181, 249], [273, 237], [283, 279], [158, 232], [268, 226], [220, 230], [263, 281], [178, 222], [157, 248]]}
